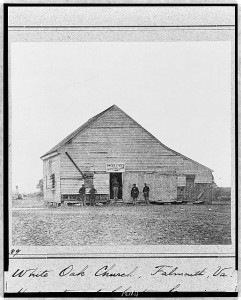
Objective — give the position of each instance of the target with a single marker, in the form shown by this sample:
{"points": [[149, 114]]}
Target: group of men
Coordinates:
{"points": [[115, 187], [82, 195], [135, 193]]}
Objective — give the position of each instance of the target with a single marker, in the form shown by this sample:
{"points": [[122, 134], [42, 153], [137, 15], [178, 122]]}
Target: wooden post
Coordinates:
{"points": [[75, 164]]}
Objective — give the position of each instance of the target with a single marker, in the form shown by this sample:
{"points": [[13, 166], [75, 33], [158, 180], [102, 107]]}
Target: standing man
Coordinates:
{"points": [[146, 191], [134, 193], [82, 195], [92, 195], [115, 185]]}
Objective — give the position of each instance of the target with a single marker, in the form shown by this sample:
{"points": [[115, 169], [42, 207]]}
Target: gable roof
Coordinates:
{"points": [[94, 119], [76, 132]]}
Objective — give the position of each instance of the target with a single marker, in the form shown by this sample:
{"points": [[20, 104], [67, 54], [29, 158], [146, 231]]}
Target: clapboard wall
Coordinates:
{"points": [[163, 187], [116, 138]]}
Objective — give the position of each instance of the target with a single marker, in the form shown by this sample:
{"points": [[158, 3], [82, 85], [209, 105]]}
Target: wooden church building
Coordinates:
{"points": [[112, 144]]}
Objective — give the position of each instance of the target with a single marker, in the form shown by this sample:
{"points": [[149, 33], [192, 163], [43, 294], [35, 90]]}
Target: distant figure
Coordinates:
{"points": [[82, 195], [115, 185], [146, 191], [17, 195], [92, 195], [134, 193]]}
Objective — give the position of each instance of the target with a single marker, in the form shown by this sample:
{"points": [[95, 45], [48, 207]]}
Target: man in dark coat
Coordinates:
{"points": [[82, 195], [134, 193], [146, 191], [92, 195]]}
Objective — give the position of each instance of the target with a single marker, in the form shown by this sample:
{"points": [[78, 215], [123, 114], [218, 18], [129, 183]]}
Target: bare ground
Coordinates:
{"points": [[122, 225]]}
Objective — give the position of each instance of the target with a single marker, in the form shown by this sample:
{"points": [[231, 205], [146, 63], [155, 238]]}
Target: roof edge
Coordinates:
{"points": [[48, 155], [163, 144], [78, 131], [96, 118]]}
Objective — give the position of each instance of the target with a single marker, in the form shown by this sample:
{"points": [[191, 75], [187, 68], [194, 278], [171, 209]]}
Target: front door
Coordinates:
{"points": [[118, 177]]}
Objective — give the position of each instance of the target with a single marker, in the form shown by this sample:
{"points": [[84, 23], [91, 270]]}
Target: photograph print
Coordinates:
{"points": [[121, 143]]}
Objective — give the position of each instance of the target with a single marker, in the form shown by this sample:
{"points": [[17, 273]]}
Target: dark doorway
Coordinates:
{"points": [[190, 187], [180, 193], [118, 177]]}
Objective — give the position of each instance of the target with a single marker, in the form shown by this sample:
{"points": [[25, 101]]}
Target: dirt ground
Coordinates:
{"points": [[121, 225]]}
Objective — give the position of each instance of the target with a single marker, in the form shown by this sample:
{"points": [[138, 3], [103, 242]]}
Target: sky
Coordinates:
{"points": [[179, 91]]}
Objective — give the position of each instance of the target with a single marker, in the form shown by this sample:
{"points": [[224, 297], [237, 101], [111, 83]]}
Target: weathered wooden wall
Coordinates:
{"points": [[71, 185], [116, 138], [101, 183], [162, 187]]}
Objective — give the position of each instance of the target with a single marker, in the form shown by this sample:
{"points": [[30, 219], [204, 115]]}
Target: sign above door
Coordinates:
{"points": [[115, 167]]}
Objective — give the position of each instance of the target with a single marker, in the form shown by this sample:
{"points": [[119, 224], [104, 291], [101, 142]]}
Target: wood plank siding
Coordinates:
{"points": [[104, 143], [116, 138]]}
